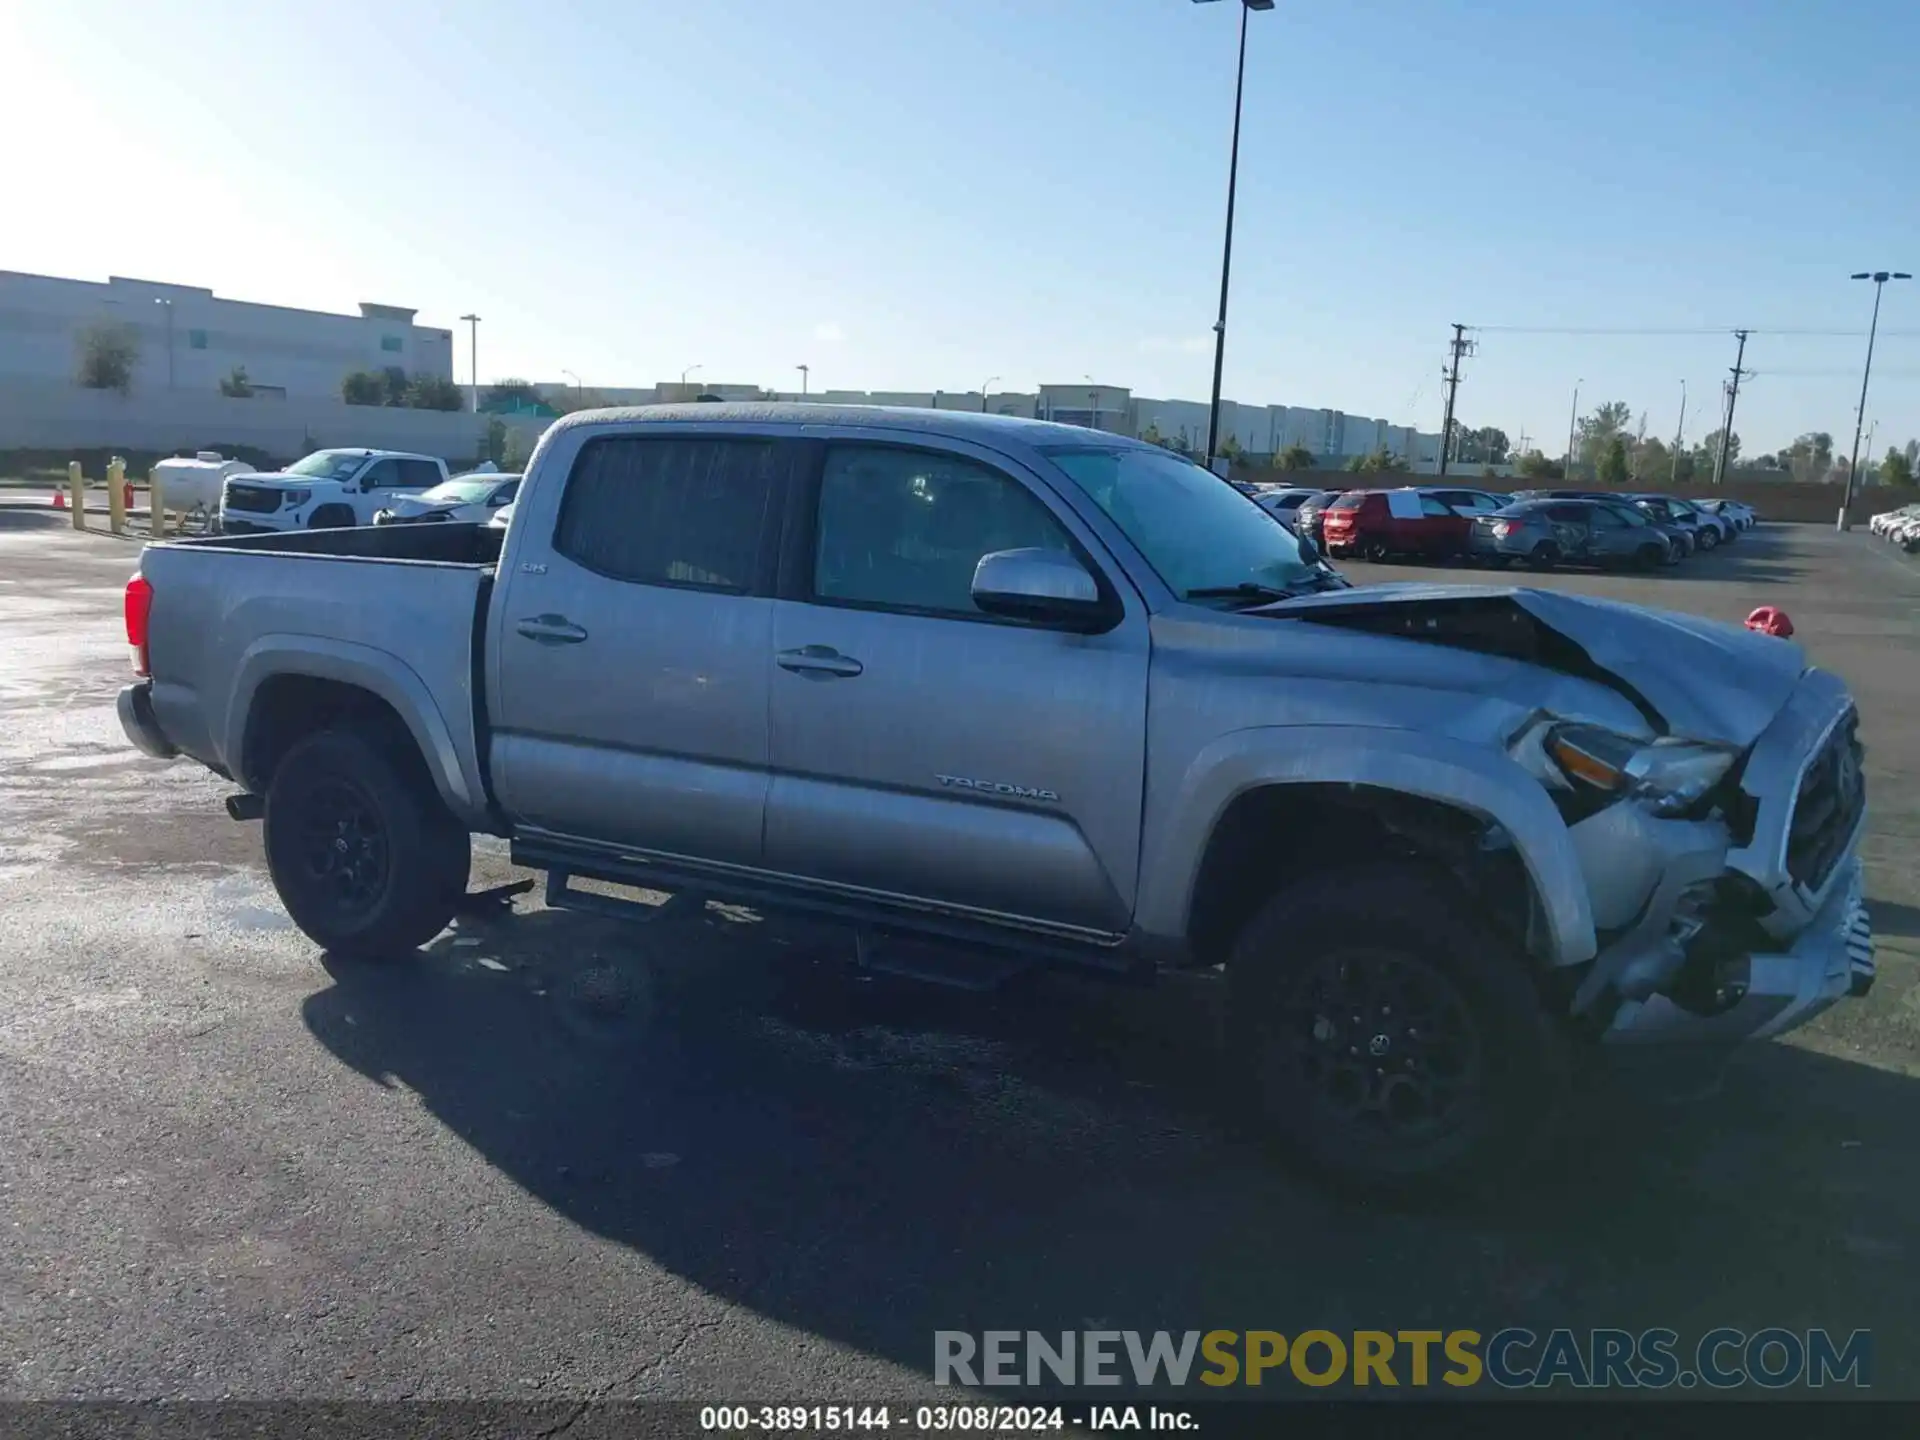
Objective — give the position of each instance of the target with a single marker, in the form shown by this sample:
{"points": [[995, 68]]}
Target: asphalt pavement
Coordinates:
{"points": [[525, 1166]]}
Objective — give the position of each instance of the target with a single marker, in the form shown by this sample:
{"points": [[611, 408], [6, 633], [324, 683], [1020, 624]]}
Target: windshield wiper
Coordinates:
{"points": [[1248, 590]]}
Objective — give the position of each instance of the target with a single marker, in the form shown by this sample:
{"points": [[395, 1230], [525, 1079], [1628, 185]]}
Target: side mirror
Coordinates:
{"points": [[1049, 587]]}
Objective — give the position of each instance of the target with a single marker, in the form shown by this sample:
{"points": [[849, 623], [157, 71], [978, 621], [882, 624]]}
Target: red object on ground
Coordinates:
{"points": [[126, 495], [1769, 620], [59, 499]]}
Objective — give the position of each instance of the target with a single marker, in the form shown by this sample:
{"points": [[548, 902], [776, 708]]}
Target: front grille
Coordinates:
{"points": [[1833, 794], [256, 498]]}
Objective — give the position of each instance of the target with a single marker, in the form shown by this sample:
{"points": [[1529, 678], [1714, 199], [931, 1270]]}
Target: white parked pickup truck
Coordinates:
{"points": [[327, 490]]}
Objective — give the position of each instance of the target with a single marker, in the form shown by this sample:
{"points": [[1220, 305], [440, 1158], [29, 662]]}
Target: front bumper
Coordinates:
{"points": [[229, 525], [1771, 992], [143, 729]]}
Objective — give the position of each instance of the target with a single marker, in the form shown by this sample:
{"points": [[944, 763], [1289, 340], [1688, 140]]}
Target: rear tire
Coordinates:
{"points": [[1544, 556], [364, 855], [1374, 551], [1387, 1040], [1709, 539]]}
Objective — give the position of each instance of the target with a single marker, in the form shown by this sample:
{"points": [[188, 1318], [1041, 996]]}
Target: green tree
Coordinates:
{"points": [[1487, 445], [1374, 462], [108, 353], [1613, 468], [434, 392], [236, 386], [506, 394], [1153, 436], [517, 450], [1896, 469], [1295, 457], [364, 387], [1652, 462], [1706, 456], [1810, 457], [1596, 431], [1535, 466], [393, 386], [495, 445]]}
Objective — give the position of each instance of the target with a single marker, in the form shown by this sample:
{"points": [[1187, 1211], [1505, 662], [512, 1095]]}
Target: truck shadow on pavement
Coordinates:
{"points": [[871, 1162]]}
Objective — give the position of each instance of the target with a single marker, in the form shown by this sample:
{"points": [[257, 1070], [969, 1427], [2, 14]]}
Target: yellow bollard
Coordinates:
{"points": [[116, 495], [156, 506], [77, 494]]}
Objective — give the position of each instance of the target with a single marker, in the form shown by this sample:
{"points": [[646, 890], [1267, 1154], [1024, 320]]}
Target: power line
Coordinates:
{"points": [[1629, 330]]}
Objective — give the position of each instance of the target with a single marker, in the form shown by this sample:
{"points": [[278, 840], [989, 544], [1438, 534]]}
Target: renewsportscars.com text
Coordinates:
{"points": [[1512, 1358]]}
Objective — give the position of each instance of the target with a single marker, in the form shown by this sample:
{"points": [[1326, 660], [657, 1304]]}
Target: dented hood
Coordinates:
{"points": [[1701, 679]]}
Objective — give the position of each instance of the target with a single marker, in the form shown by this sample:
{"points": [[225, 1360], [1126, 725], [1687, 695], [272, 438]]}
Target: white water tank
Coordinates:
{"points": [[195, 484]]}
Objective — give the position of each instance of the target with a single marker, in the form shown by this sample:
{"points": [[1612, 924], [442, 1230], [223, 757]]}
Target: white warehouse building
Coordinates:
{"points": [[189, 339]]}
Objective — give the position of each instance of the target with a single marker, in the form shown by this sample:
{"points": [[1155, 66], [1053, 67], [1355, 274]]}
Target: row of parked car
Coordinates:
{"points": [[335, 489], [1901, 527], [1543, 529]]}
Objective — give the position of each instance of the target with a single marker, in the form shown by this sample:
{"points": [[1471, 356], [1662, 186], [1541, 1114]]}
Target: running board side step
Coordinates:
{"points": [[561, 895]]}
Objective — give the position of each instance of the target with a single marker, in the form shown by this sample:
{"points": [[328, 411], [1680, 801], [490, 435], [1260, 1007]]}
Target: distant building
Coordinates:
{"points": [[187, 338]]}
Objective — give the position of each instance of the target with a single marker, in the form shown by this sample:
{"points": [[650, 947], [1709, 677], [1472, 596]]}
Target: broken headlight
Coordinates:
{"points": [[1669, 775]]}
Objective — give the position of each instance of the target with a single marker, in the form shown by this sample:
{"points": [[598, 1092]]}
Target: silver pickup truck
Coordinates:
{"points": [[1005, 692]]}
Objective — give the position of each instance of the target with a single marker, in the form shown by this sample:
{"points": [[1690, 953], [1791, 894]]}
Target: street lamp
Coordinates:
{"points": [[576, 382], [688, 371], [1572, 417], [985, 386], [1879, 278], [162, 300], [1093, 402], [806, 372], [472, 323], [1226, 250]]}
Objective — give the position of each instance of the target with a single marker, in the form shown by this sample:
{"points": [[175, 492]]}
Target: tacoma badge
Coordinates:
{"points": [[998, 787]]}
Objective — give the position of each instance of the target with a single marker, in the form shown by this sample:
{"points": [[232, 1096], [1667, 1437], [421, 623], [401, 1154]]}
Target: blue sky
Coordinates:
{"points": [[924, 193]]}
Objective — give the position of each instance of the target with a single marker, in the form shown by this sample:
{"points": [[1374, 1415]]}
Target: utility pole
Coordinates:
{"points": [[1461, 346], [1733, 399], [473, 360], [806, 372], [1679, 436]]}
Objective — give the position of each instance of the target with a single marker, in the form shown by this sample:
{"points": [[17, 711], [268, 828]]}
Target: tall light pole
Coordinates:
{"points": [[1679, 435], [1573, 417], [577, 387], [472, 322], [986, 385], [1093, 402], [1226, 249], [1879, 278], [688, 371], [169, 304], [805, 372]]}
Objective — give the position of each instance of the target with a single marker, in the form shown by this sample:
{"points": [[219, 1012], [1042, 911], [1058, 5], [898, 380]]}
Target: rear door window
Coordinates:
{"points": [[683, 511], [1405, 504], [1433, 505]]}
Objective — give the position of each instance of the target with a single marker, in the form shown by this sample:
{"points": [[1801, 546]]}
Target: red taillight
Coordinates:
{"points": [[1501, 527], [139, 603]]}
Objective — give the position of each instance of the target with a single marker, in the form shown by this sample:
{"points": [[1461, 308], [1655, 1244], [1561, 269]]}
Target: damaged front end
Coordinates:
{"points": [[1720, 847], [1725, 885]]}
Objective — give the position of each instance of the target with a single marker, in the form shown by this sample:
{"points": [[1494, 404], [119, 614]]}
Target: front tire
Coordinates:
{"points": [[365, 857], [331, 517], [1387, 1039]]}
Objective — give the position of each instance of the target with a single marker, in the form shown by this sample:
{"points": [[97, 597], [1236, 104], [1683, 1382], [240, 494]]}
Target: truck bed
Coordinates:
{"points": [[435, 543], [395, 611]]}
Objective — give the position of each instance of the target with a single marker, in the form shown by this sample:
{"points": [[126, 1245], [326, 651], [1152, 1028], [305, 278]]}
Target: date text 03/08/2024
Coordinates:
{"points": [[939, 1419]]}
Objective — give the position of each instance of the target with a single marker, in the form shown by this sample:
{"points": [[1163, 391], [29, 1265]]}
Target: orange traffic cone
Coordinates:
{"points": [[59, 499]]}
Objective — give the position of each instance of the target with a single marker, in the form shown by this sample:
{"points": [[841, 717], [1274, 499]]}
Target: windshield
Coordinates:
{"points": [[1194, 529], [329, 464], [461, 492]]}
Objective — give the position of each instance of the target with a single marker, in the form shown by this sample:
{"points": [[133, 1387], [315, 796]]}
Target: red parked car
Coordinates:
{"points": [[1381, 524]]}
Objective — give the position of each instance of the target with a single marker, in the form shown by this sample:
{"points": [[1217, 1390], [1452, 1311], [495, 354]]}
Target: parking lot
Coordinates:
{"points": [[527, 1167]]}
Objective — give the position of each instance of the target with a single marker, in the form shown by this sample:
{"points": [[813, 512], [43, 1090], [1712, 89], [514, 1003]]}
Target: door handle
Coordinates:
{"points": [[819, 661], [550, 630]]}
